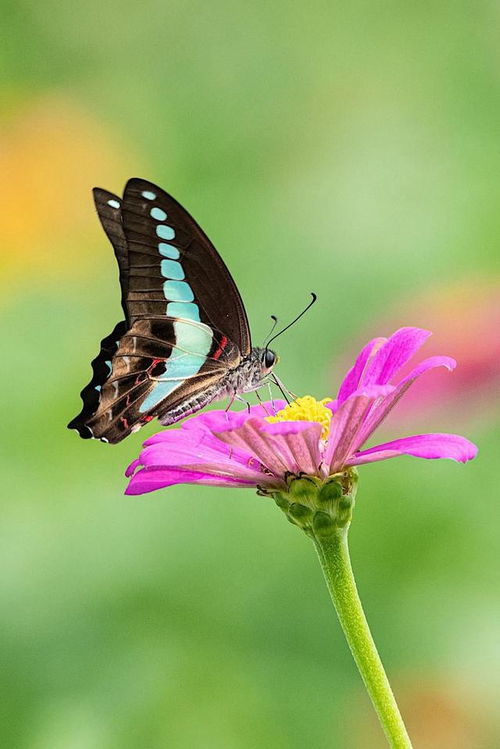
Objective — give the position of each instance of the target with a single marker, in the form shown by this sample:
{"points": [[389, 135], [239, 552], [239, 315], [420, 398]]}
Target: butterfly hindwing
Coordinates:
{"points": [[160, 363], [101, 367]]}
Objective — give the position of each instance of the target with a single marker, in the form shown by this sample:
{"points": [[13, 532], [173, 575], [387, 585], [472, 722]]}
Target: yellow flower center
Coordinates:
{"points": [[306, 408]]}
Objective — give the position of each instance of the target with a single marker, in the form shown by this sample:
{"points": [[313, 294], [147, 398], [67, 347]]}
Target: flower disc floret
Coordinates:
{"points": [[306, 408]]}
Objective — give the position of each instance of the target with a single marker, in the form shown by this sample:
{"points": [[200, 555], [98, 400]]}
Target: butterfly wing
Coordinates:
{"points": [[174, 269], [108, 208], [185, 327], [162, 365], [101, 368]]}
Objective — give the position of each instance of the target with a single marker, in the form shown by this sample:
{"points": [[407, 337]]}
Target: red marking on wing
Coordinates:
{"points": [[147, 418], [124, 421], [152, 367], [222, 346]]}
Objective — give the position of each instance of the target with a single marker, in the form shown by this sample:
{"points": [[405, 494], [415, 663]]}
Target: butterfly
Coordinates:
{"points": [[185, 340]]}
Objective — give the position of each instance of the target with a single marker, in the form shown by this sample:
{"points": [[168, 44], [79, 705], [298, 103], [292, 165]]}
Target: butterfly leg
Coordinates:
{"points": [[230, 403], [236, 397], [271, 396], [257, 395]]}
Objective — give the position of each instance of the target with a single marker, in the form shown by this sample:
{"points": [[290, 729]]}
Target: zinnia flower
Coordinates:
{"points": [[304, 455], [267, 444]]}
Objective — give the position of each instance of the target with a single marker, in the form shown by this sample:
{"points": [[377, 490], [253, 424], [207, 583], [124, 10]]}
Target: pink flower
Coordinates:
{"points": [[465, 316], [263, 446]]}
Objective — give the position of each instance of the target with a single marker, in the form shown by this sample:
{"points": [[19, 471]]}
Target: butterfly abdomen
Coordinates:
{"points": [[189, 407]]}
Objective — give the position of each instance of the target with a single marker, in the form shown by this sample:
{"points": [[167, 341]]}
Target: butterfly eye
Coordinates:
{"points": [[269, 359]]}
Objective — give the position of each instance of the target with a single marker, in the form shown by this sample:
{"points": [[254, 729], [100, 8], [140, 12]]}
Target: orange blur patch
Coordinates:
{"points": [[52, 153]]}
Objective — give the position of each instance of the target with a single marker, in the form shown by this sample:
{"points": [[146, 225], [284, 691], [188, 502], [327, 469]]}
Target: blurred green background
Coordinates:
{"points": [[353, 150]]}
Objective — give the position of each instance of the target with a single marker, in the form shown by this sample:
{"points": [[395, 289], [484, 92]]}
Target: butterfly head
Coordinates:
{"points": [[268, 359], [252, 372], [258, 366]]}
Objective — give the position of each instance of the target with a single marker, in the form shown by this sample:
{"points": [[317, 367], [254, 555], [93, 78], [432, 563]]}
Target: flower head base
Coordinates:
{"points": [[283, 449], [306, 408], [319, 507]]}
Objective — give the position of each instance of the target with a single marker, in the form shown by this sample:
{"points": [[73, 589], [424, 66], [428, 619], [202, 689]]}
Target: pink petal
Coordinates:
{"points": [[333, 405], [352, 379], [430, 446], [213, 463], [149, 480], [298, 445], [193, 454], [379, 413], [197, 451], [277, 446], [200, 443], [220, 420], [130, 470], [347, 423], [389, 359]]}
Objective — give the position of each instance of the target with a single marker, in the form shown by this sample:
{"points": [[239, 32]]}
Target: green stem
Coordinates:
{"points": [[333, 554]]}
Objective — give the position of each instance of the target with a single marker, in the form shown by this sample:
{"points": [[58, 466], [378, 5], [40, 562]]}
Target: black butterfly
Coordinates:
{"points": [[185, 340]]}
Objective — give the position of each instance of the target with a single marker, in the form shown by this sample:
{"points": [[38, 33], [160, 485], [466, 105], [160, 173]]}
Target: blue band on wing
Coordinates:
{"points": [[193, 342], [158, 213], [177, 291], [186, 310], [165, 232], [169, 250], [172, 269]]}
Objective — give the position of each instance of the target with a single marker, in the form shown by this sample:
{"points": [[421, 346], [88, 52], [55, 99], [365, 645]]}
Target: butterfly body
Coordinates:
{"points": [[185, 340]]}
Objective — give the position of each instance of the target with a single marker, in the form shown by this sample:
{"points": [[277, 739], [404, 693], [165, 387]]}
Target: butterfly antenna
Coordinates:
{"points": [[314, 297], [275, 322]]}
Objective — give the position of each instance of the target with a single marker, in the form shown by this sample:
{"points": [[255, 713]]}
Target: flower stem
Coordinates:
{"points": [[333, 554]]}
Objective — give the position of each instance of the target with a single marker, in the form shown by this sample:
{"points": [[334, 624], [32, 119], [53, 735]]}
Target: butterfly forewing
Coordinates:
{"points": [[108, 208], [173, 267]]}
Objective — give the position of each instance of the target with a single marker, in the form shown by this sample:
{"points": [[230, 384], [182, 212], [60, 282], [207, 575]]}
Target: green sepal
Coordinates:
{"points": [[323, 524], [330, 491], [300, 515], [281, 500], [301, 488]]}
